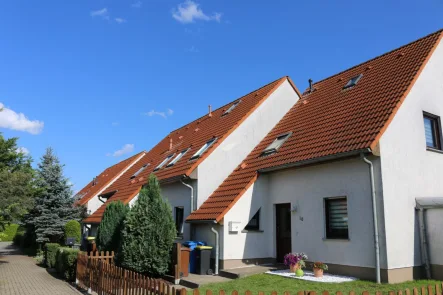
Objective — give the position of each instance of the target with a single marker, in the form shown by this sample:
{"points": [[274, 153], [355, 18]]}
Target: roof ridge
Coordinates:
{"points": [[201, 117], [379, 56]]}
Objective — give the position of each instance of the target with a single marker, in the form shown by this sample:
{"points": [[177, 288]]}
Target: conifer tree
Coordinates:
{"points": [[53, 201], [149, 233], [110, 228]]}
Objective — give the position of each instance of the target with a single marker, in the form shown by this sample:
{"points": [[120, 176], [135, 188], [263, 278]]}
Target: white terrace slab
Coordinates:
{"points": [[309, 276]]}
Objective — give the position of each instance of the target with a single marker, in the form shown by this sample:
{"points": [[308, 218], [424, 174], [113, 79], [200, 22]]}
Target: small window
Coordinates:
{"points": [[231, 108], [336, 211], [254, 223], [203, 149], [139, 171], [178, 157], [432, 131], [276, 144], [163, 163], [179, 218], [353, 81]]}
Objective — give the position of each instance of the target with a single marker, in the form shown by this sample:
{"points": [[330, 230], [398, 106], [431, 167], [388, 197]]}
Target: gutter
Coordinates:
{"points": [[375, 218], [316, 160], [192, 194]]}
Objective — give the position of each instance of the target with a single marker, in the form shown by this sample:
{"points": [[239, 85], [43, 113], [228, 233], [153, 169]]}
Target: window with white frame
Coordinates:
{"points": [[177, 158], [432, 131], [179, 220], [163, 163], [276, 144], [203, 149], [353, 81], [336, 217], [254, 223], [231, 108], [139, 171]]}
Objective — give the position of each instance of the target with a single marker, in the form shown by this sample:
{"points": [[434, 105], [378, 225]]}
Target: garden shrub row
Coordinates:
{"points": [[9, 232], [50, 254], [66, 262]]}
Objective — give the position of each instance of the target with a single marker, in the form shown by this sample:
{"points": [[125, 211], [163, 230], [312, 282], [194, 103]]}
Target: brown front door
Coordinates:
{"points": [[283, 230]]}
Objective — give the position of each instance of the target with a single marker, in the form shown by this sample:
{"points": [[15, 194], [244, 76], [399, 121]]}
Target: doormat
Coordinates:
{"points": [[309, 276]]}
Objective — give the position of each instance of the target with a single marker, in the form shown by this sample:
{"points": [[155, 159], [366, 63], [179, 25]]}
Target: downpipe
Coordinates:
{"points": [[375, 219], [217, 249], [192, 194]]}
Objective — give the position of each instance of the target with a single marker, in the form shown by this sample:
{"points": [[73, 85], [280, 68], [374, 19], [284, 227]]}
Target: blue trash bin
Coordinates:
{"points": [[193, 254]]}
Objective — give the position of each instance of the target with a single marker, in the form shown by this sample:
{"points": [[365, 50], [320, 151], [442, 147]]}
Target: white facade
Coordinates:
{"points": [[234, 149], [305, 189], [409, 170]]}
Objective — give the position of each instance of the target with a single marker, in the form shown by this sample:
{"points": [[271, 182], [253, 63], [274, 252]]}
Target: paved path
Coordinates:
{"points": [[19, 275]]}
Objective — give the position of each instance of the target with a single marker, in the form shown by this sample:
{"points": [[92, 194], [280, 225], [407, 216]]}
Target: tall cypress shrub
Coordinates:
{"points": [[149, 233], [110, 228]]}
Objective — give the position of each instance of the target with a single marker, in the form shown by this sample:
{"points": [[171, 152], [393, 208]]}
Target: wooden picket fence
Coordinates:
{"points": [[96, 274]]}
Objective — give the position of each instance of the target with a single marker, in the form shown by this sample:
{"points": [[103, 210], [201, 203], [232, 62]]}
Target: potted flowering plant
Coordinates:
{"points": [[319, 267], [295, 261]]}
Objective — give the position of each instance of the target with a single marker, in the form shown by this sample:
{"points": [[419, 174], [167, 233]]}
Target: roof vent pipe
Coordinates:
{"points": [[310, 86], [209, 111], [170, 144]]}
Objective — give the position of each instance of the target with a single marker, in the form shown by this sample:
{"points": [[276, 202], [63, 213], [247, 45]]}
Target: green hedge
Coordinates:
{"points": [[73, 230], [50, 254], [19, 239], [66, 262], [9, 232]]}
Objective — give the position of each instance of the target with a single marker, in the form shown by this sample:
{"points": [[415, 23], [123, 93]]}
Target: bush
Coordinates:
{"points": [[50, 254], [66, 262], [9, 232], [148, 234], [73, 230], [111, 226]]}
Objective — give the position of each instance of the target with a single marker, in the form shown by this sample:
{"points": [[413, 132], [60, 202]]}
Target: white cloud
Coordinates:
{"points": [[17, 121], [127, 148], [137, 4], [23, 150], [165, 115], [104, 13], [190, 11], [119, 20]]}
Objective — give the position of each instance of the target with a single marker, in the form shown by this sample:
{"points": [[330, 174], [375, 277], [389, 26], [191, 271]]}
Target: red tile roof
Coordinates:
{"points": [[193, 135], [331, 120], [104, 178]]}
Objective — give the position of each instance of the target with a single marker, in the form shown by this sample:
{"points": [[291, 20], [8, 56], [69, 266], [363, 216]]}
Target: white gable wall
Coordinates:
{"points": [[234, 149], [408, 169], [94, 203]]}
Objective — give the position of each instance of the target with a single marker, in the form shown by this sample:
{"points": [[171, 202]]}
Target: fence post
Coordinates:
{"points": [[90, 275]]}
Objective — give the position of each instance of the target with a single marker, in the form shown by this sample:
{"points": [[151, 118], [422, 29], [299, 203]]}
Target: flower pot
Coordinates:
{"points": [[318, 272], [294, 267]]}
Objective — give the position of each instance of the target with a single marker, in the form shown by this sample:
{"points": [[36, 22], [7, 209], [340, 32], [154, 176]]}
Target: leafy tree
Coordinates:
{"points": [[149, 232], [111, 226], [53, 201], [73, 230], [16, 175]]}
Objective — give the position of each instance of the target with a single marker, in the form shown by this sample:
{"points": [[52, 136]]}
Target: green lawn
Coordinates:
{"points": [[268, 283]]}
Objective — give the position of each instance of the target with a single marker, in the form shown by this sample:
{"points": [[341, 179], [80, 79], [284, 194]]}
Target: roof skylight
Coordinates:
{"points": [[139, 171], [353, 81], [231, 108], [276, 144], [163, 163], [203, 149], [178, 157]]}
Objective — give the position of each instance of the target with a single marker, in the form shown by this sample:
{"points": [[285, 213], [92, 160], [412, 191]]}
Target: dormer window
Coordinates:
{"points": [[139, 171], [276, 144], [353, 81], [163, 163], [231, 108], [203, 149], [177, 158]]}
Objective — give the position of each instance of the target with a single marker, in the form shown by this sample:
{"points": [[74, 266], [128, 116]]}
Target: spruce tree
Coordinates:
{"points": [[149, 233], [110, 228], [53, 201]]}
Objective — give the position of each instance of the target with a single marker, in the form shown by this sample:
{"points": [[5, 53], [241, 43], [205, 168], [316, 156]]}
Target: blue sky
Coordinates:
{"points": [[99, 80]]}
